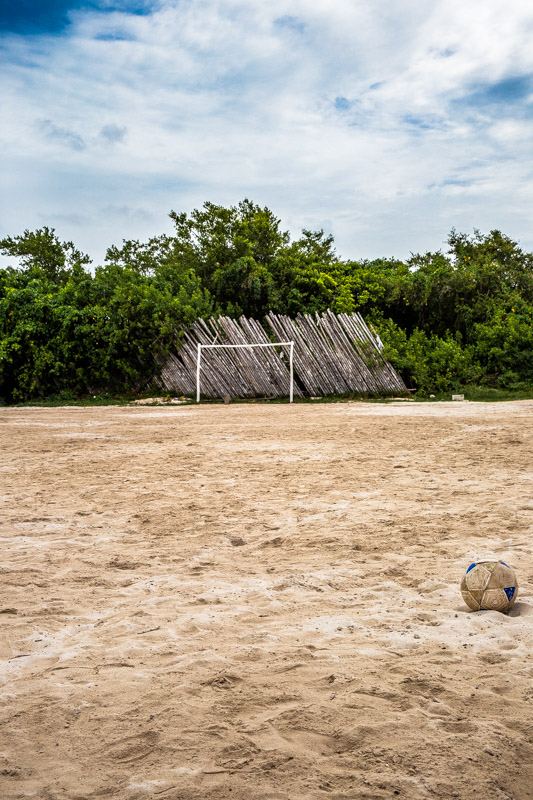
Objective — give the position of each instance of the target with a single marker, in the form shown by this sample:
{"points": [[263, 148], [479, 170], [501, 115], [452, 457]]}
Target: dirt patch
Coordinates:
{"points": [[262, 602]]}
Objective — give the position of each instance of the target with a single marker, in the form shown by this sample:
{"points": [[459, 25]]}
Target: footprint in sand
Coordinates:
{"points": [[494, 658], [294, 740], [132, 748], [223, 681], [422, 687], [459, 727]]}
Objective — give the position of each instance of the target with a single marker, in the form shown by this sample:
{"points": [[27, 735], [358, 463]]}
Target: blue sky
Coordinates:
{"points": [[385, 122]]}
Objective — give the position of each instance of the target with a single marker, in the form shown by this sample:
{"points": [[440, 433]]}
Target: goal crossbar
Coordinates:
{"points": [[233, 346]]}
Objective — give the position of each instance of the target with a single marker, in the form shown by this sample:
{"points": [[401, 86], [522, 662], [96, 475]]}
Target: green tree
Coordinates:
{"points": [[214, 237], [147, 258], [244, 287], [41, 252]]}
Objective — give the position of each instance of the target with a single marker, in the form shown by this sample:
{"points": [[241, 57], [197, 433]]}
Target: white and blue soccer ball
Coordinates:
{"points": [[489, 585]]}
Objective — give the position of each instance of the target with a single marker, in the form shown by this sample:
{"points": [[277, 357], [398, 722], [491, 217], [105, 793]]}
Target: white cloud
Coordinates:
{"points": [[125, 117]]}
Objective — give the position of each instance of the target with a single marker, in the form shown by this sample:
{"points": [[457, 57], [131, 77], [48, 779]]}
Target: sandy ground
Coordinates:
{"points": [[261, 602]]}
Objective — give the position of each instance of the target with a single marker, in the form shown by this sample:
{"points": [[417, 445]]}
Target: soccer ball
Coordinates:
{"points": [[489, 585]]}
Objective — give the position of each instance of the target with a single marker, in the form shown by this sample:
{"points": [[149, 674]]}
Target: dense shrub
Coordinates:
{"points": [[90, 333]]}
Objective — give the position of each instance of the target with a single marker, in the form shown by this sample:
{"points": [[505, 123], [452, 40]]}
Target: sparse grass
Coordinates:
{"points": [[58, 402], [482, 394], [102, 399]]}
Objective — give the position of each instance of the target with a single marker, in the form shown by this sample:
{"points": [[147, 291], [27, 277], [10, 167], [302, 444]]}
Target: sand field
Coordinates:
{"points": [[261, 602]]}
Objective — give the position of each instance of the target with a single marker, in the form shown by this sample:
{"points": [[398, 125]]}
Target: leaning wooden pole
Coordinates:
{"points": [[321, 354]]}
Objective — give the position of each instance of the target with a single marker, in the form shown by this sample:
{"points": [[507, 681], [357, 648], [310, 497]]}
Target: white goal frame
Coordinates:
{"points": [[263, 344]]}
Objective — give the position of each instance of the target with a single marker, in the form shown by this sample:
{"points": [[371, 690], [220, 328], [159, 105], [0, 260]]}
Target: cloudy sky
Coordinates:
{"points": [[384, 122]]}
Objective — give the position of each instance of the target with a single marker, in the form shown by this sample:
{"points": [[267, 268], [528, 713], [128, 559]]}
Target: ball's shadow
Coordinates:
{"points": [[518, 609]]}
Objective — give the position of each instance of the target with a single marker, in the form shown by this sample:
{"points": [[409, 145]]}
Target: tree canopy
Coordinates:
{"points": [[447, 318]]}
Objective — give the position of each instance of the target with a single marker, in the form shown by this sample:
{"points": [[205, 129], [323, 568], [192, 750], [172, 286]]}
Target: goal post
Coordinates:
{"points": [[234, 346]]}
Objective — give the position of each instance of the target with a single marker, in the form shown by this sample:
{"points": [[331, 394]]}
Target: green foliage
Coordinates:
{"points": [[447, 319], [306, 275], [214, 237], [146, 257], [244, 287], [504, 345], [466, 317], [42, 254], [435, 364], [90, 334]]}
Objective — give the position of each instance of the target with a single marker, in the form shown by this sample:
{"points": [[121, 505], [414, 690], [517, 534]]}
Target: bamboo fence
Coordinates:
{"points": [[333, 354]]}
